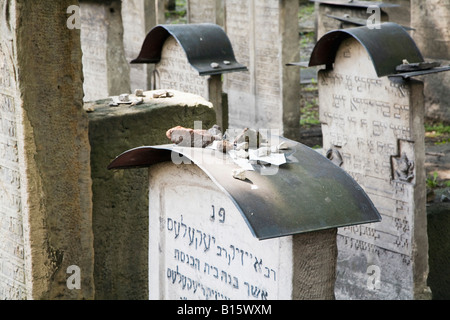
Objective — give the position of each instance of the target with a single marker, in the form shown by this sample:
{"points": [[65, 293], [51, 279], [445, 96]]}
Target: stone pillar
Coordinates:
{"points": [[265, 37], [45, 184], [430, 19], [106, 70], [374, 129]]}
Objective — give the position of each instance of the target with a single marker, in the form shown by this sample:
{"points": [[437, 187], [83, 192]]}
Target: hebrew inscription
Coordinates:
{"points": [[202, 249], [261, 33], [175, 72], [374, 123], [12, 257]]}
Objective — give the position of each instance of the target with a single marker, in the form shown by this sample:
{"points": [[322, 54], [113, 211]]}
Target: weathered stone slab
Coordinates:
{"points": [[264, 35], [45, 195], [106, 70], [375, 127], [199, 11], [202, 249], [326, 23], [175, 72], [139, 16], [432, 35], [120, 198]]}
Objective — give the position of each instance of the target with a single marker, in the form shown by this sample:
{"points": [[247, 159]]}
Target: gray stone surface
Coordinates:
{"points": [[139, 17], [199, 11], [120, 198], [377, 126], [175, 72], [432, 35], [326, 24], [264, 35], [45, 208], [105, 68]]}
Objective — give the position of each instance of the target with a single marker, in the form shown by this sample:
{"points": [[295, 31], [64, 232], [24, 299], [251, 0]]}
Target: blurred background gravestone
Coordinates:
{"points": [[265, 37]]}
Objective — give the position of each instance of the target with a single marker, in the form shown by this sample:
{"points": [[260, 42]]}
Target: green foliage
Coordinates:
{"points": [[438, 128], [432, 181], [309, 113]]}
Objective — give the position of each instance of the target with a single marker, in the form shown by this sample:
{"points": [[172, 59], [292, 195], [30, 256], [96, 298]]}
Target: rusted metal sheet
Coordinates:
{"points": [[306, 194], [207, 47]]}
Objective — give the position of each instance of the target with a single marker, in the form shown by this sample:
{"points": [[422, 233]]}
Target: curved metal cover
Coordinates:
{"points": [[387, 46], [204, 44], [307, 195]]}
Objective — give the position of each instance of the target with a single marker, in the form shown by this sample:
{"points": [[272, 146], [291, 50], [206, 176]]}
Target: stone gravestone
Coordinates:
{"points": [[265, 37], [328, 10], [139, 16], [199, 11], [175, 72], [268, 235], [106, 70], [45, 196], [121, 244], [201, 248], [373, 128], [191, 58], [430, 19]]}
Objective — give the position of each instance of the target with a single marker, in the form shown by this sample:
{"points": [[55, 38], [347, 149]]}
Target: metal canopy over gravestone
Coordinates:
{"points": [[191, 58], [372, 122], [267, 237]]}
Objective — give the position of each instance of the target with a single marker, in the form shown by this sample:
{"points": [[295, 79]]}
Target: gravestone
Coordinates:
{"points": [[106, 70], [326, 10], [201, 248], [265, 37], [121, 242], [268, 235], [430, 19], [373, 128], [138, 17], [175, 72], [45, 195], [191, 58], [199, 11]]}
